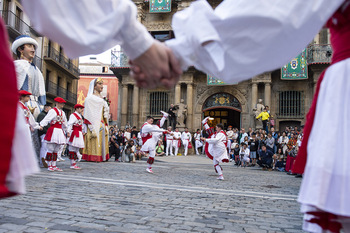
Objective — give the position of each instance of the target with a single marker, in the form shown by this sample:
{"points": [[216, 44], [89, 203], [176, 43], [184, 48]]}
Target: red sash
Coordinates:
{"points": [[76, 129], [53, 126], [26, 116], [148, 136]]}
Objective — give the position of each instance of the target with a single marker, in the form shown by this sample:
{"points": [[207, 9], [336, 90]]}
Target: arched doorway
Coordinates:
{"points": [[224, 108]]}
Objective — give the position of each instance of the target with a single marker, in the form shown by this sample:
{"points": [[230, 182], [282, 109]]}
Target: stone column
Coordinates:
{"points": [[189, 107], [135, 107], [124, 104], [177, 93], [254, 95], [267, 100], [120, 90]]}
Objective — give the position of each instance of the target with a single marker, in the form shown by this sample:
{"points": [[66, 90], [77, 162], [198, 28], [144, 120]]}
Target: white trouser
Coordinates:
{"points": [[229, 146], [73, 149], [59, 153], [185, 143], [175, 142], [43, 149], [53, 147], [217, 167], [169, 147], [197, 145]]}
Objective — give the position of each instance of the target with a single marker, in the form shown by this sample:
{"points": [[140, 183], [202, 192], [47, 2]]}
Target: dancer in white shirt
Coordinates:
{"points": [[150, 135], [198, 142], [186, 140], [169, 142], [176, 141], [216, 146], [55, 136], [75, 132]]}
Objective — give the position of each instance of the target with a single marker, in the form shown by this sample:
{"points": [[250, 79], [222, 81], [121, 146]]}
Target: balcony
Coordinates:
{"points": [[16, 26], [54, 91], [59, 58], [119, 60], [319, 54], [38, 62]]}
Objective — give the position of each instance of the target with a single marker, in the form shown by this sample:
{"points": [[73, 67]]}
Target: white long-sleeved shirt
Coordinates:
{"points": [[90, 27], [72, 121], [27, 113], [51, 116], [197, 136], [177, 135], [241, 39], [186, 136]]}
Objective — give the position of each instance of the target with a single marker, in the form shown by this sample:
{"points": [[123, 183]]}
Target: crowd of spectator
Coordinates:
{"points": [[270, 150]]}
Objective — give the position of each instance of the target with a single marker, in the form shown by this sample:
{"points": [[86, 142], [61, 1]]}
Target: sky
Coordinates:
{"points": [[104, 57]]}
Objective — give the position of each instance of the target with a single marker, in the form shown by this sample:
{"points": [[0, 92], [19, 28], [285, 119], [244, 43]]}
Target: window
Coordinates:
{"points": [[158, 102], [291, 104], [47, 81]]}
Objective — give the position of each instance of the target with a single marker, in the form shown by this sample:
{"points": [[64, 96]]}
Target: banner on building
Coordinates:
{"points": [[159, 6], [296, 68]]}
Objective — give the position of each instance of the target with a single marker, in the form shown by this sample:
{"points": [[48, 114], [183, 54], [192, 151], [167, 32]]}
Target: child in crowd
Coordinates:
{"points": [[138, 153], [129, 151], [236, 154], [244, 154], [279, 161]]}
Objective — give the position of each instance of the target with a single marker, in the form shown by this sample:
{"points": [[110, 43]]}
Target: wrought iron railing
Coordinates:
{"points": [[119, 59], [61, 92], [319, 53], [71, 97], [61, 59], [51, 88], [15, 22], [38, 62], [290, 104]]}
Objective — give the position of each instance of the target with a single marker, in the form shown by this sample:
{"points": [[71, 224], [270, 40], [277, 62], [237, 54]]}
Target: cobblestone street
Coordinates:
{"points": [[183, 195]]}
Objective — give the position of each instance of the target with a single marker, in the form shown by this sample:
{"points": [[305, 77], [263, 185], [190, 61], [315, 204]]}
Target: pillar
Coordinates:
{"points": [[189, 106], [124, 105], [177, 93], [135, 107], [267, 100], [254, 94]]}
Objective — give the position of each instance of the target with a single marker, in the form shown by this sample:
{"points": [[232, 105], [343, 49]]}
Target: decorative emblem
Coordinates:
{"points": [[294, 64], [59, 118], [160, 1], [80, 122], [26, 112]]}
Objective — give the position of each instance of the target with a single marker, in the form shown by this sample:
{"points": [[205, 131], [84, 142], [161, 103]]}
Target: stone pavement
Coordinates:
{"points": [[182, 195]]}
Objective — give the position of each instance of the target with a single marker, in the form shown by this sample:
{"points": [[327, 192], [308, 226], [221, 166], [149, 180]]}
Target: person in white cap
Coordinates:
{"points": [[29, 77]]}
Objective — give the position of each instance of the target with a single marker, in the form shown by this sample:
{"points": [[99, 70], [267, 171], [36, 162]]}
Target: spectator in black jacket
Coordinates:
{"points": [[41, 134], [253, 147], [265, 159]]}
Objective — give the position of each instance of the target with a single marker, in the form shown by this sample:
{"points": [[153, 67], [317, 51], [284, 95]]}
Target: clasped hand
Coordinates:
{"points": [[156, 67]]}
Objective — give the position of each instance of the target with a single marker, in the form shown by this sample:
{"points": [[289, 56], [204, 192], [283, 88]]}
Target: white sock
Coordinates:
{"points": [[219, 170]]}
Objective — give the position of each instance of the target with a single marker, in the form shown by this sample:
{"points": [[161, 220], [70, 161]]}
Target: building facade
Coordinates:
{"points": [[61, 74], [288, 99]]}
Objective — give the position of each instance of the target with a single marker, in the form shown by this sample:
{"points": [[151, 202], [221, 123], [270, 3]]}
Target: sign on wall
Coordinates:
{"points": [[159, 6], [296, 69]]}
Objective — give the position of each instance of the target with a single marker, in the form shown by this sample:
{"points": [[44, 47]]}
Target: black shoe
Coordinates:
{"points": [[298, 176]]}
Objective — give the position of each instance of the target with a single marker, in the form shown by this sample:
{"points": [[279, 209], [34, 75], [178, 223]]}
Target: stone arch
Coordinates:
{"points": [[211, 91]]}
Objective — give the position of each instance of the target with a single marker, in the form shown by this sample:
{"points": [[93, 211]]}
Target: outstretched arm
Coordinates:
{"points": [[241, 39]]}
